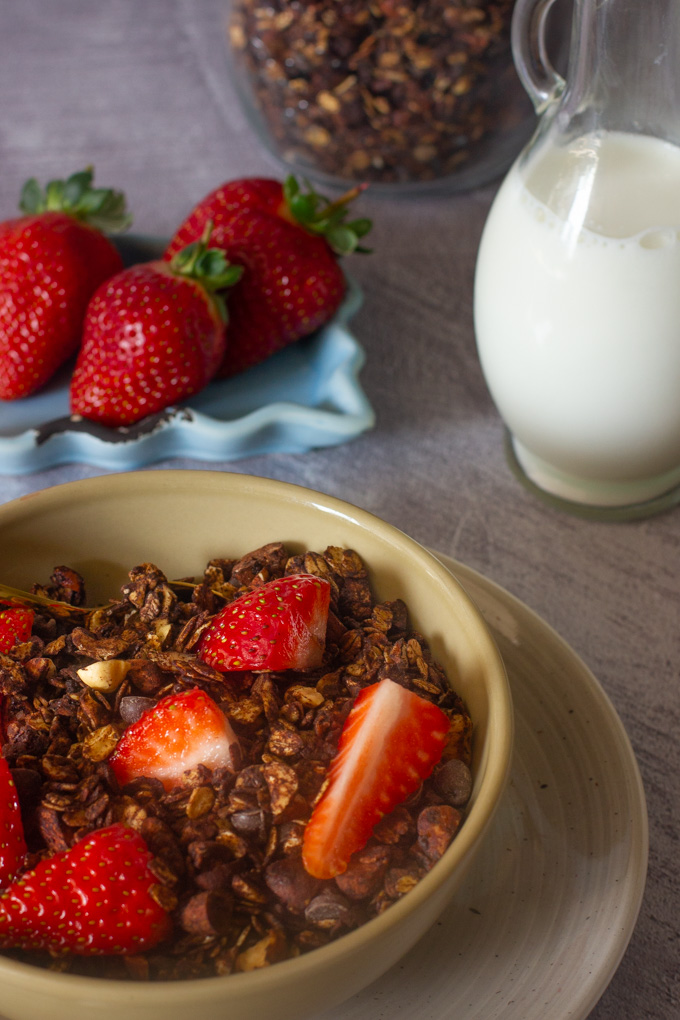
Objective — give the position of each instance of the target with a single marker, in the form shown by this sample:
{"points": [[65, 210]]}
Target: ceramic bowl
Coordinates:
{"points": [[179, 519]]}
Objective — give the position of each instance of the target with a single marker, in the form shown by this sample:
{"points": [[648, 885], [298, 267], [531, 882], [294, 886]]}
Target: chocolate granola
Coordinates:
{"points": [[390, 91], [227, 844]]}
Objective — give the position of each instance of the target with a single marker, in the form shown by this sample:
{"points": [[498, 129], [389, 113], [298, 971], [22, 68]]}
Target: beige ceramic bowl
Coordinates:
{"points": [[179, 520]]}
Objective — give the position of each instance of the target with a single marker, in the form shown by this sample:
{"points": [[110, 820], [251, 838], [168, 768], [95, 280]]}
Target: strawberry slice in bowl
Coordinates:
{"points": [[12, 842], [391, 741], [16, 624], [181, 731], [95, 898], [281, 625]]}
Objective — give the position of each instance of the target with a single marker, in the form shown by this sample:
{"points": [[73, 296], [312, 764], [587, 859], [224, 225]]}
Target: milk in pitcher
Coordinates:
{"points": [[577, 315]]}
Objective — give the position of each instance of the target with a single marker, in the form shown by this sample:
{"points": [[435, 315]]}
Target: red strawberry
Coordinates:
{"points": [[391, 741], [90, 900], [281, 625], [51, 261], [291, 285], [288, 243], [12, 842], [154, 335], [179, 732], [261, 194], [15, 626]]}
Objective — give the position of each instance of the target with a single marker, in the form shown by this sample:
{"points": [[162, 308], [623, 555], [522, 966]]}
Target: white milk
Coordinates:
{"points": [[577, 316]]}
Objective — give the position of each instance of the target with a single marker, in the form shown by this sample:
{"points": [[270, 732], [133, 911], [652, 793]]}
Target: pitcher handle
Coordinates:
{"points": [[536, 72]]}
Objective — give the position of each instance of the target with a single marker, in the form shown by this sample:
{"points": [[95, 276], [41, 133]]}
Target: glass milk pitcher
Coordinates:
{"points": [[577, 285]]}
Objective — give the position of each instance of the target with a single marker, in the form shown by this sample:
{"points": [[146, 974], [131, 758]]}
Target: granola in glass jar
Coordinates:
{"points": [[394, 92]]}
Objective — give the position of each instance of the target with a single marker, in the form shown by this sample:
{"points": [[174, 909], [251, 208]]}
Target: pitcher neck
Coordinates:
{"points": [[624, 68]]}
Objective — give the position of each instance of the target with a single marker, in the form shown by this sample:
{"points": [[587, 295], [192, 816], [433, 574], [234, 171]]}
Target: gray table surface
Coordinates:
{"points": [[141, 90]]}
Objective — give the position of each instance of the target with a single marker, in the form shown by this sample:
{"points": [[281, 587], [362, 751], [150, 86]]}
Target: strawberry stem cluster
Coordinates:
{"points": [[209, 267], [101, 208], [325, 218]]}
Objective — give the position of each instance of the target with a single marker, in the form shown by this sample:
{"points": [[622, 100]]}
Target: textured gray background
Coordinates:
{"points": [[140, 89]]}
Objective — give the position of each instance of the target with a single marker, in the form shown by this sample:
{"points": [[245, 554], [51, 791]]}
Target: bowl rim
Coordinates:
{"points": [[192, 991]]}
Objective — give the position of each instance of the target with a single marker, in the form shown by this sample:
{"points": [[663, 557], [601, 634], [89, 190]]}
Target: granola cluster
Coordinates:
{"points": [[227, 844]]}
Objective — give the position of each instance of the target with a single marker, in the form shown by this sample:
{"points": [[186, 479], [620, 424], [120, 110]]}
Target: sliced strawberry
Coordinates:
{"points": [[391, 741], [12, 842], [179, 732], [92, 899], [15, 626], [281, 625]]}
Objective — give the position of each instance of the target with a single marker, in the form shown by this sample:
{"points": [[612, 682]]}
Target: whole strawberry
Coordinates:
{"points": [[154, 334], [95, 898], [52, 260], [248, 194], [288, 243]]}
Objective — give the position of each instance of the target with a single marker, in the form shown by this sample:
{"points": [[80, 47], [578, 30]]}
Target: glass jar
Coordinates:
{"points": [[409, 94]]}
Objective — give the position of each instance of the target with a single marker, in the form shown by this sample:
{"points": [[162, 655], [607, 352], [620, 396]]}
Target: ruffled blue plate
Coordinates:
{"points": [[304, 397]]}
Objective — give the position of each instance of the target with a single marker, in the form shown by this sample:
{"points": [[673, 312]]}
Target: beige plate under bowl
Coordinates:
{"points": [[179, 520], [545, 913]]}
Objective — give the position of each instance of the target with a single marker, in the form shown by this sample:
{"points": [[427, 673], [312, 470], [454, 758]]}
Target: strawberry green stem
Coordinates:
{"points": [[343, 202], [319, 216], [209, 267], [101, 208]]}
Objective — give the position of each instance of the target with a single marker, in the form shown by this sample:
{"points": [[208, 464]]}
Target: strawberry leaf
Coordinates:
{"points": [[75, 188], [342, 240], [31, 197], [360, 227], [303, 208]]}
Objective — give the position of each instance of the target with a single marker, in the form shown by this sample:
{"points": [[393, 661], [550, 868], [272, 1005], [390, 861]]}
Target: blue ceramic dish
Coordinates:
{"points": [[306, 396]]}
